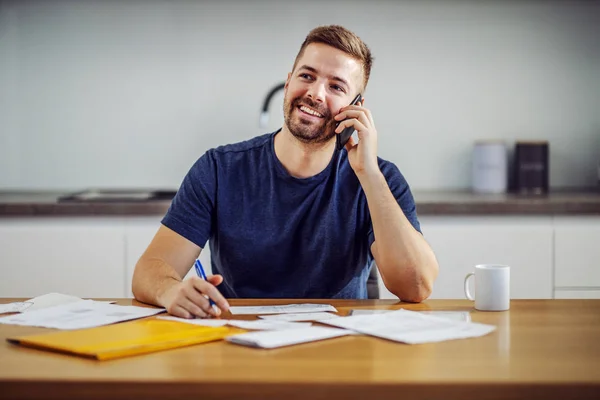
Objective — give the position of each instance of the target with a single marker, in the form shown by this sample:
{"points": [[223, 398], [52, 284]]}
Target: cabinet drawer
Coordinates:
{"points": [[577, 252], [577, 294]]}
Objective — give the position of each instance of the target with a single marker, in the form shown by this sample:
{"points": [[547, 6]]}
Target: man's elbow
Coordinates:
{"points": [[414, 294], [413, 286]]}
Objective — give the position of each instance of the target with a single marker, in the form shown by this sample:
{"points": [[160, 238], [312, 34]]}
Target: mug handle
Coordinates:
{"points": [[467, 291]]}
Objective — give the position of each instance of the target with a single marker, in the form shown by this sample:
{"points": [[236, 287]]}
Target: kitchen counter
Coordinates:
{"points": [[558, 202], [22, 204], [439, 202]]}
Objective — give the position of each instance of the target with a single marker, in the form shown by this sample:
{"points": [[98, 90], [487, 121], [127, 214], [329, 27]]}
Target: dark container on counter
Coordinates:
{"points": [[531, 167]]}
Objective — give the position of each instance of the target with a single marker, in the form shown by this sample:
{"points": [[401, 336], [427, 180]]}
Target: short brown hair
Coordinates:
{"points": [[342, 39]]}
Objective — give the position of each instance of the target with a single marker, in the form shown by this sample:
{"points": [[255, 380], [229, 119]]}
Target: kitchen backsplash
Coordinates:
{"points": [[130, 94]]}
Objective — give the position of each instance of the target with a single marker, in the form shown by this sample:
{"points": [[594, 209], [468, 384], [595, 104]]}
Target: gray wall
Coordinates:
{"points": [[130, 93]]}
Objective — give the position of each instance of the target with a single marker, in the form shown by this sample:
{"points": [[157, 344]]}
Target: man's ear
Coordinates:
{"points": [[287, 81]]}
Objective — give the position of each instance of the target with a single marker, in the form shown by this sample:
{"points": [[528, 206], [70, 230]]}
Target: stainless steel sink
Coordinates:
{"points": [[118, 195]]}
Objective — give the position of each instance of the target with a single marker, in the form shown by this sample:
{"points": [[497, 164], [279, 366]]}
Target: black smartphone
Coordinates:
{"points": [[342, 138]]}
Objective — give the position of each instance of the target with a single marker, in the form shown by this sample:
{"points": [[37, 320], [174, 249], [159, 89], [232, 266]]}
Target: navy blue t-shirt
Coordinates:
{"points": [[272, 235]]}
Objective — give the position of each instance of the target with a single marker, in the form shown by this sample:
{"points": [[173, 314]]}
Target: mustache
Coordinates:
{"points": [[324, 111]]}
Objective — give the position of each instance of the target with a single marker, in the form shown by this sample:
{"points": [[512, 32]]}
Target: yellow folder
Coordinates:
{"points": [[125, 339]]}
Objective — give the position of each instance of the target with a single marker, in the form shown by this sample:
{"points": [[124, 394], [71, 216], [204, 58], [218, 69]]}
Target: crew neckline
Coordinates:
{"points": [[286, 175]]}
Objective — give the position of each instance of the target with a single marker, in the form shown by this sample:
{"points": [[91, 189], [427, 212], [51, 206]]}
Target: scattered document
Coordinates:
{"points": [[268, 325], [464, 316], [50, 300], [315, 316], [368, 312], [289, 308], [411, 327], [250, 325], [274, 339], [16, 307], [79, 315]]}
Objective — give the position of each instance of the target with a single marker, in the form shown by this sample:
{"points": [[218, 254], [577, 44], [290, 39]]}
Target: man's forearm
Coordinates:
{"points": [[151, 278], [405, 260]]}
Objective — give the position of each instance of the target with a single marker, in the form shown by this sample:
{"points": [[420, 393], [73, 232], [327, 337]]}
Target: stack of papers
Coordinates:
{"points": [[289, 308], [79, 315], [312, 316], [39, 302], [464, 316], [410, 327], [274, 339]]}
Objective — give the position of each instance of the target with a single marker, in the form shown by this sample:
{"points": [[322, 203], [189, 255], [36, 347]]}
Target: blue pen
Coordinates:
{"points": [[201, 274]]}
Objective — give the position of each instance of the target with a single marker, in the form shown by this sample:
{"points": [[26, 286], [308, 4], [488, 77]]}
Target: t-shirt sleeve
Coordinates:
{"points": [[191, 211], [401, 191]]}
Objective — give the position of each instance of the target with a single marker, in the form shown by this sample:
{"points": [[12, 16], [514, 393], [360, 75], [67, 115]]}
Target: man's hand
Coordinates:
{"points": [[362, 155], [187, 299]]}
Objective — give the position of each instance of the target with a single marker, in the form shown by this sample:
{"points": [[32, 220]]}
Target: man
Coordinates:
{"points": [[287, 214]]}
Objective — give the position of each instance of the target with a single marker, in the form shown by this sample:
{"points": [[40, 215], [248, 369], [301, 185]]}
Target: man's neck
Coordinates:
{"points": [[302, 160]]}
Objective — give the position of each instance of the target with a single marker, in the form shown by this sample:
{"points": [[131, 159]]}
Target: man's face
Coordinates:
{"points": [[324, 80]]}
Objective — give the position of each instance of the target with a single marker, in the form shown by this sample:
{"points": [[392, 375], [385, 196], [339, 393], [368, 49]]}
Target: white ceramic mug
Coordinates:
{"points": [[492, 287]]}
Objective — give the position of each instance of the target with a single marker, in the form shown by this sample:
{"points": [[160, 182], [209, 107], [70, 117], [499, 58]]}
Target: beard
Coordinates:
{"points": [[308, 130]]}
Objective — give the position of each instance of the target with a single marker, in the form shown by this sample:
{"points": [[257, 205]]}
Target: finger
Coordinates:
{"points": [[350, 143], [216, 280], [201, 300], [193, 308], [196, 297], [360, 115], [208, 289], [370, 116], [351, 122], [181, 312]]}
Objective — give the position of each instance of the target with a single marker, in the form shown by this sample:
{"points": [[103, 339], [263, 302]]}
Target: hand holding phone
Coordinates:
{"points": [[342, 138]]}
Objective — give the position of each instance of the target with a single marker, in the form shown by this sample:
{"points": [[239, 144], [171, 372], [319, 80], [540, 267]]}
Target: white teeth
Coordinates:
{"points": [[310, 111]]}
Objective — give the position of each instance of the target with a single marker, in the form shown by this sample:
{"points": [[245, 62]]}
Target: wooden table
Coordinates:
{"points": [[542, 349]]}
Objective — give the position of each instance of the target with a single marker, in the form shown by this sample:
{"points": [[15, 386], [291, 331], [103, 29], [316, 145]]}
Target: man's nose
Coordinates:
{"points": [[317, 92]]}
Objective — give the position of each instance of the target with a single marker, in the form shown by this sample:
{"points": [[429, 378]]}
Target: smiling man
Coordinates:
{"points": [[287, 214]]}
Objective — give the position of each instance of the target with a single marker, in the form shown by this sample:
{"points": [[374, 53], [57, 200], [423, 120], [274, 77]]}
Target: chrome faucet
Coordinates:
{"points": [[264, 115]]}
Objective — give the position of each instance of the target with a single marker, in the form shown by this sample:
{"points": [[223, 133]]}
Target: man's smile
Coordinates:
{"points": [[309, 111]]}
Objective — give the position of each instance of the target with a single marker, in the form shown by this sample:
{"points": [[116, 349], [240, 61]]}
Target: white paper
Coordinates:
{"points": [[368, 312], [50, 300], [268, 325], [16, 307], [53, 299], [273, 339], [251, 325], [316, 316], [289, 308], [463, 316], [411, 327], [79, 315]]}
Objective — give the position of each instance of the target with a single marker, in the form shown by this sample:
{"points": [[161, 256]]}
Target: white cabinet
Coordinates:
{"points": [[139, 232], [461, 242], [96, 256], [577, 294], [577, 252], [77, 256]]}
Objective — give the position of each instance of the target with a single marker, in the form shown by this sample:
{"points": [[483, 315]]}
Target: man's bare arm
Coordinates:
{"points": [[158, 276]]}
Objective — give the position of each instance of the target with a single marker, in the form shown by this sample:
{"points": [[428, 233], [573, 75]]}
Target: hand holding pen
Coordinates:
{"points": [[195, 297], [202, 274]]}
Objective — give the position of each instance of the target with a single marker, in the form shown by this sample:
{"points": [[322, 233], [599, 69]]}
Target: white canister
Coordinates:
{"points": [[490, 167]]}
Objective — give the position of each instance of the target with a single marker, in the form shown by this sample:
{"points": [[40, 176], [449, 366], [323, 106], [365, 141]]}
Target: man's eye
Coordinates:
{"points": [[305, 76], [338, 88]]}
